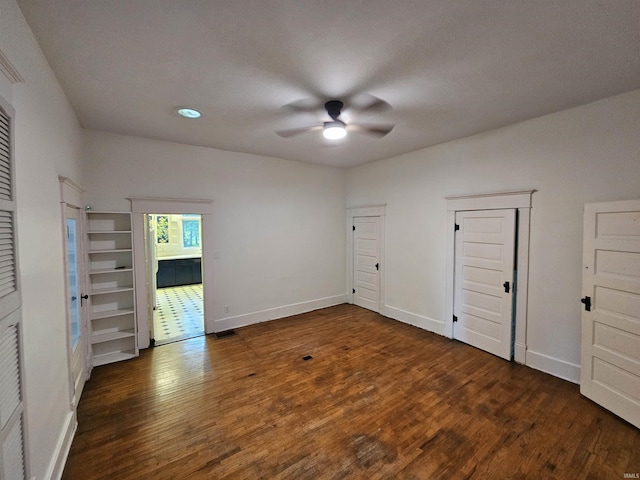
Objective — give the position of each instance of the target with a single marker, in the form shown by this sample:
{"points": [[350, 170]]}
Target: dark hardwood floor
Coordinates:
{"points": [[379, 399]]}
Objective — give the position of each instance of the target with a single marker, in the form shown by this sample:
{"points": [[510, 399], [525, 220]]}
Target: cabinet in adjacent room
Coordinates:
{"points": [[112, 321], [176, 272]]}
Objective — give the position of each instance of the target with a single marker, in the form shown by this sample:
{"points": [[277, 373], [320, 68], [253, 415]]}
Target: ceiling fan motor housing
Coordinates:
{"points": [[334, 107]]}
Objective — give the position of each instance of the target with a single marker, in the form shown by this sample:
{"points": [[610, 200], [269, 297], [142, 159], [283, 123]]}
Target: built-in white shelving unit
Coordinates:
{"points": [[111, 287]]}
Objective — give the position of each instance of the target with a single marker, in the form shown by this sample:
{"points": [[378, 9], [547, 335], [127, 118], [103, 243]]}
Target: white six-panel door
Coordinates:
{"points": [[483, 291], [366, 259], [610, 370]]}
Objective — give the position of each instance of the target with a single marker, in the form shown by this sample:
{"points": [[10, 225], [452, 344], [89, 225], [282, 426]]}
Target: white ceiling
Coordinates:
{"points": [[449, 68]]}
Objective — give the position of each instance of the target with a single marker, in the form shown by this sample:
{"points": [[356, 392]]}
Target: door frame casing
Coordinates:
{"points": [[370, 211], [520, 201], [142, 205]]}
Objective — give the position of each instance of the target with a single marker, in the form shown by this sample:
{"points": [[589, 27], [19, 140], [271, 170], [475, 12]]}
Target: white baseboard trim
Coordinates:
{"points": [[238, 321], [414, 319], [554, 366], [59, 459]]}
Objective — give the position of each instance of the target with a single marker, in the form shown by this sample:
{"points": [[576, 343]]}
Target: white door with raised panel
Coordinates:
{"points": [[484, 272], [610, 370], [366, 259]]}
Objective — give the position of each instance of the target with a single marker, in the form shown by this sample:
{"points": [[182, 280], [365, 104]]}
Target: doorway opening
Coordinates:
{"points": [[174, 276]]}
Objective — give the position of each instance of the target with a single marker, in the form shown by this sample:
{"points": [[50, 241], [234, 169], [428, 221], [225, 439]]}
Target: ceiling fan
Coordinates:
{"points": [[337, 128]]}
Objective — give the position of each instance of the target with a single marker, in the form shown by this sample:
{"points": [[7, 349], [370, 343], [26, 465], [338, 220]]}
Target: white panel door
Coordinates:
{"points": [[484, 271], [366, 259], [610, 371]]}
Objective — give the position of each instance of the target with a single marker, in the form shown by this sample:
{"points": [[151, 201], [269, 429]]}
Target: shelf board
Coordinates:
{"points": [[110, 270], [106, 337], [113, 357], [107, 212], [111, 313], [108, 232], [114, 250], [104, 291]]}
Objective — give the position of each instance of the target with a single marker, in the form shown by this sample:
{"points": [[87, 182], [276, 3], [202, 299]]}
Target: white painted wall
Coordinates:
{"points": [[278, 225], [48, 143], [586, 154]]}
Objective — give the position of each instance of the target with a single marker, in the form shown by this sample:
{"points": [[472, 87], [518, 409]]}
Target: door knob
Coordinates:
{"points": [[506, 287]]}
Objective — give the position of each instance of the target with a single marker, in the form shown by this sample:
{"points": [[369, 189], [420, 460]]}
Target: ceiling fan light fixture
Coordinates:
{"points": [[187, 112], [334, 130]]}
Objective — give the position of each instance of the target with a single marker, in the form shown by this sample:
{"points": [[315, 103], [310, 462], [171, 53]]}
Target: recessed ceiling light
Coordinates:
{"points": [[188, 112]]}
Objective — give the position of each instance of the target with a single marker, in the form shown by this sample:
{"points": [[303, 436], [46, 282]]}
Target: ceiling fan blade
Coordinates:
{"points": [[374, 130], [366, 103], [306, 105], [377, 105], [292, 132]]}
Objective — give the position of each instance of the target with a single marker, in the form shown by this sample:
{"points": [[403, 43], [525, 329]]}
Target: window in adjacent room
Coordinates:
{"points": [[191, 231], [162, 229]]}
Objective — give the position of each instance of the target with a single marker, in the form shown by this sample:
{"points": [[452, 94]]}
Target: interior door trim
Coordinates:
{"points": [[142, 205], [521, 201], [368, 211]]}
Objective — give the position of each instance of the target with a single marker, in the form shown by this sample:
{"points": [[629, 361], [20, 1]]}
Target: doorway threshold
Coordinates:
{"points": [[167, 341]]}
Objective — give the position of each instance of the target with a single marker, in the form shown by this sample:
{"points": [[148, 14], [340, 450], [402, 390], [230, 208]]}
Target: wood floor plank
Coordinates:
{"points": [[378, 399]]}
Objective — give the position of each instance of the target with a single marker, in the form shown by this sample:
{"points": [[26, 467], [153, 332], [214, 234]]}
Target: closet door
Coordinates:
{"points": [[366, 262], [484, 272], [12, 464], [610, 373], [11, 407]]}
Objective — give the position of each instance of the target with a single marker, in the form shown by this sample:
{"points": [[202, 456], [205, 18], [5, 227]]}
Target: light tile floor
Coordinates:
{"points": [[179, 313]]}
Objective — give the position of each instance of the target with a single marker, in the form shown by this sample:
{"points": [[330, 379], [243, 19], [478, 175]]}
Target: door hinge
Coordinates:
{"points": [[377, 266], [587, 303], [506, 287], [354, 291], [354, 228], [456, 227], [455, 319]]}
